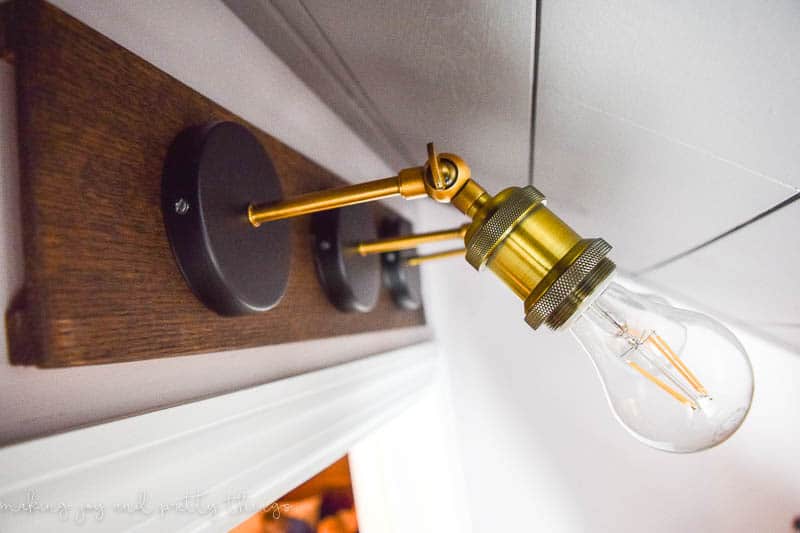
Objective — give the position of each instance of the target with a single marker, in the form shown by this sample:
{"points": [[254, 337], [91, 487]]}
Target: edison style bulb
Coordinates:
{"points": [[677, 380]]}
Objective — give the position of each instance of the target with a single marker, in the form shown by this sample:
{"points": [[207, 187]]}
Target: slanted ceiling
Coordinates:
{"points": [[669, 128]]}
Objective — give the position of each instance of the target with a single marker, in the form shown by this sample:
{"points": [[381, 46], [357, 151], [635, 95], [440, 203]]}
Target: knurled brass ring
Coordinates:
{"points": [[592, 282], [484, 241], [567, 282]]}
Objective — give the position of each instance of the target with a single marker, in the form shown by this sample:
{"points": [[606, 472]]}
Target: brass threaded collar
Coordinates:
{"points": [[565, 286], [568, 307], [486, 238]]}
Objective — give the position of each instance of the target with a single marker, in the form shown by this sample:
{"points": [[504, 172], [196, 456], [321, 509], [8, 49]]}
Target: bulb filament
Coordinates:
{"points": [[664, 368], [679, 365], [663, 386], [670, 364]]}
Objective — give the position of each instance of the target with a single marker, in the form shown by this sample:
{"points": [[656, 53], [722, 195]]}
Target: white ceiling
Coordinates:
{"points": [[752, 275], [659, 125], [649, 196], [663, 124]]}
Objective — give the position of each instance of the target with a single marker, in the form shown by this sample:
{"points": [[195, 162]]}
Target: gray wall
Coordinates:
{"points": [[404, 73]]}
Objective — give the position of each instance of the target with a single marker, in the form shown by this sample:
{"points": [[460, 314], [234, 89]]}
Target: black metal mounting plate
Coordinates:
{"points": [[403, 281], [351, 281], [211, 174]]}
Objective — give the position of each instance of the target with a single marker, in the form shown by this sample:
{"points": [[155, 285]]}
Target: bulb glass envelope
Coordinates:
{"points": [[677, 380]]}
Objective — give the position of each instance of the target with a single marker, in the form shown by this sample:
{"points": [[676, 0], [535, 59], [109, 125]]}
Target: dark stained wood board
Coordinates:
{"points": [[95, 122], [5, 52]]}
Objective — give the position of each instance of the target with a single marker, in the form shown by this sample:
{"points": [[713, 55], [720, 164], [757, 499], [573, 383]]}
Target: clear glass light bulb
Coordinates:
{"points": [[677, 380]]}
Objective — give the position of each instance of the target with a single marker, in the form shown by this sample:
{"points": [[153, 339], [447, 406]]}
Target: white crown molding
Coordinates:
{"points": [[259, 442]]}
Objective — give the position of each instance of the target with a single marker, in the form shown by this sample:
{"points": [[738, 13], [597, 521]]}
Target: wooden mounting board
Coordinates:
{"points": [[95, 122]]}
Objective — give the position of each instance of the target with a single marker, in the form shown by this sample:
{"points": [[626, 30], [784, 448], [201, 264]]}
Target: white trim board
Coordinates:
{"points": [[259, 442]]}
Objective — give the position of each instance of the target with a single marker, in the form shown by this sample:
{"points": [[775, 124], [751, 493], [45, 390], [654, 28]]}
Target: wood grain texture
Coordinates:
{"points": [[95, 122]]}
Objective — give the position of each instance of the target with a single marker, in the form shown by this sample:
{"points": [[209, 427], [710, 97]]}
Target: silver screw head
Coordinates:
{"points": [[181, 206]]}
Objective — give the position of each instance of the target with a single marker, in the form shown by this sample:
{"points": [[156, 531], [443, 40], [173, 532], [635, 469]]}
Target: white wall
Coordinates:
{"points": [[542, 452], [204, 45]]}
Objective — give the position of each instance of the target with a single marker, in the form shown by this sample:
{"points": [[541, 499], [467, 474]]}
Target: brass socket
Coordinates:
{"points": [[538, 256]]}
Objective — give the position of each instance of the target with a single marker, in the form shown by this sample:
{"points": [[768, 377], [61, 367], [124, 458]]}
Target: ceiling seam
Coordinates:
{"points": [[534, 86], [780, 205]]}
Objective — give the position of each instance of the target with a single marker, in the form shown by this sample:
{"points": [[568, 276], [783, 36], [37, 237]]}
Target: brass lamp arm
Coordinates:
{"points": [[405, 242], [443, 179], [324, 200], [420, 259]]}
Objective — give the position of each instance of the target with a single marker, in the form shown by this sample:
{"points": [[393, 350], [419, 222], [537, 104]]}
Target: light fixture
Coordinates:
{"points": [[679, 381]]}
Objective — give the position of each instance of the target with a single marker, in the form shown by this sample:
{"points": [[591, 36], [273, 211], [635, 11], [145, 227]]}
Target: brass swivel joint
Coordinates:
{"points": [[536, 254]]}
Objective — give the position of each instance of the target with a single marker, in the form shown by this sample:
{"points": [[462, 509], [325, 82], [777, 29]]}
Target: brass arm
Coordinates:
{"points": [[324, 200], [419, 259], [405, 242], [441, 179]]}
